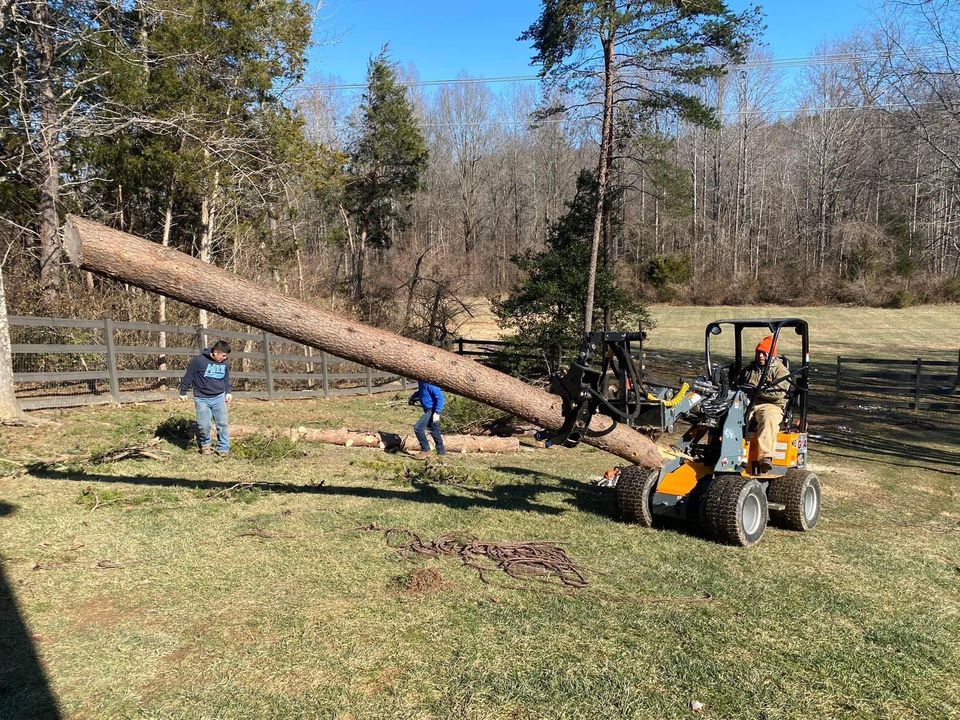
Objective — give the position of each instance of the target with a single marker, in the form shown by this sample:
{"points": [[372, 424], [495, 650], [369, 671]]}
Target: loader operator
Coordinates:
{"points": [[770, 403]]}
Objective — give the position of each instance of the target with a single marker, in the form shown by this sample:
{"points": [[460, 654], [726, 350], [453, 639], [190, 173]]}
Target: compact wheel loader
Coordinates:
{"points": [[712, 474]]}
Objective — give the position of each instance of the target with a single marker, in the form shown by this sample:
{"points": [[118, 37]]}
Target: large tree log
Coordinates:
{"points": [[133, 260], [382, 440]]}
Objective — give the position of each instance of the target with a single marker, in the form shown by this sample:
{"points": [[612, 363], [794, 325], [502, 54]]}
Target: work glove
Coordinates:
{"points": [[183, 398], [229, 397], [413, 400], [435, 417]]}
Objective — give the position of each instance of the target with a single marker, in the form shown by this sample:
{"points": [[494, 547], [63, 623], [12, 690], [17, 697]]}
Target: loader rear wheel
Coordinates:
{"points": [[799, 492], [635, 489], [735, 510]]}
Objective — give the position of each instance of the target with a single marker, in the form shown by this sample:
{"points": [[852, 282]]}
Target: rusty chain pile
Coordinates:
{"points": [[534, 560]]}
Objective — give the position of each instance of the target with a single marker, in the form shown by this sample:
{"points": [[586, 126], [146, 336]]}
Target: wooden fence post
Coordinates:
{"points": [[916, 390], [956, 383], [111, 359], [268, 365], [323, 373], [201, 337], [836, 392], [369, 375]]}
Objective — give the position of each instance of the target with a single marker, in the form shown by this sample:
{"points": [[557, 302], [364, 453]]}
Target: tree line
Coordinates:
{"points": [[187, 122]]}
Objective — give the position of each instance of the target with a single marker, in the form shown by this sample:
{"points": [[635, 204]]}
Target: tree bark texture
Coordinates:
{"points": [[9, 407], [131, 259], [47, 138], [606, 142]]}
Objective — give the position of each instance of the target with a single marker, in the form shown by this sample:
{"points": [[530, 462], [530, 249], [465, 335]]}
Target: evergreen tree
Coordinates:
{"points": [[546, 308], [385, 166], [648, 53]]}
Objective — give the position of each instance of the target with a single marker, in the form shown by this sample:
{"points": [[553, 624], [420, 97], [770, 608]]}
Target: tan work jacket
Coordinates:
{"points": [[776, 394]]}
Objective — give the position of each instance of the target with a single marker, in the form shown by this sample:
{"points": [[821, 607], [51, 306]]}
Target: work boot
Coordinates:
{"points": [[222, 453], [422, 455], [766, 465], [206, 450]]}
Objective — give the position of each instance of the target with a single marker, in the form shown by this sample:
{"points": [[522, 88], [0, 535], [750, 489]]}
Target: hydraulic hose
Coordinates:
{"points": [[675, 400]]}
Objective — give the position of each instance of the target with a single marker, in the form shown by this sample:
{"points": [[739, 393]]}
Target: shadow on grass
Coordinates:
{"points": [[601, 501], [24, 689], [889, 440], [503, 497]]}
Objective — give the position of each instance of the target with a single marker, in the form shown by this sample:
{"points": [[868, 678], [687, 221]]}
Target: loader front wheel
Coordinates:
{"points": [[735, 510], [635, 489], [799, 492]]}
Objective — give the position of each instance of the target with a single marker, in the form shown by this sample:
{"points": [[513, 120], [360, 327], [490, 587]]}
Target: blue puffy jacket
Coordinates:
{"points": [[429, 396]]}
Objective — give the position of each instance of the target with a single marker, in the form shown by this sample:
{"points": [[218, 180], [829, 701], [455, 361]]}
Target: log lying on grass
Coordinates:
{"points": [[136, 261], [381, 440]]}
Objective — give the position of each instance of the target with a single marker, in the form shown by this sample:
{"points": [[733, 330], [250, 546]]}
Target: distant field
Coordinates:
{"points": [[930, 331], [162, 588]]}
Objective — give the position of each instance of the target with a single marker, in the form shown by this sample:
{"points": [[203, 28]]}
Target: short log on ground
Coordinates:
{"points": [[379, 439], [130, 259]]}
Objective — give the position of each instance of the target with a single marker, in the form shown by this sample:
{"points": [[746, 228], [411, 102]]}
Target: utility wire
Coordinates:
{"points": [[730, 113], [790, 62]]}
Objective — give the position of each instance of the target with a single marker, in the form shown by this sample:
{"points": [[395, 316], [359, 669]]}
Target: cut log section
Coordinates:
{"points": [[383, 440], [130, 259]]}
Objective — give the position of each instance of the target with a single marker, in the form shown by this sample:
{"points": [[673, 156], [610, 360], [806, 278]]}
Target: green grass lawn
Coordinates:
{"points": [[928, 331], [159, 589]]}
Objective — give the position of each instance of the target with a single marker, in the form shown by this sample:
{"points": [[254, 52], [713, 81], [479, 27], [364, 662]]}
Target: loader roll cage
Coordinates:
{"points": [[798, 378], [609, 360]]}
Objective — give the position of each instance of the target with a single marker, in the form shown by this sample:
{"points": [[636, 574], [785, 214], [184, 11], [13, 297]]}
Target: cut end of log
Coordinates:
{"points": [[72, 243]]}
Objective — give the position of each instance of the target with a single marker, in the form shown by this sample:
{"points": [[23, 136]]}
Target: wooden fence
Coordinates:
{"points": [[62, 362]]}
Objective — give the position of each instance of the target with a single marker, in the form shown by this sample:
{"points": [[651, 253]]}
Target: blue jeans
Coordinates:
{"points": [[423, 424], [213, 408]]}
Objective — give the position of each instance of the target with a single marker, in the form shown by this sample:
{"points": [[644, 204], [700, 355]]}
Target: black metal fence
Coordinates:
{"points": [[931, 383], [917, 384], [62, 362]]}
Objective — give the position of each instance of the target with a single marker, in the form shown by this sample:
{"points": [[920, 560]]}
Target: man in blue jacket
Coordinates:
{"points": [[431, 399], [209, 375]]}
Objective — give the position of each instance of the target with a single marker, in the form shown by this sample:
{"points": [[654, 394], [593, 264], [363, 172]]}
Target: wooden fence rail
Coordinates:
{"points": [[53, 368], [61, 362]]}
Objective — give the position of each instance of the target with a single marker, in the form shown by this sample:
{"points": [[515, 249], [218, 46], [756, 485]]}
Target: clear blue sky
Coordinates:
{"points": [[445, 38]]}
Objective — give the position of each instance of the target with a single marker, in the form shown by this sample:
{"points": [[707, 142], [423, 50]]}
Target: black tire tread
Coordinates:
{"points": [[721, 510], [634, 492], [788, 491]]}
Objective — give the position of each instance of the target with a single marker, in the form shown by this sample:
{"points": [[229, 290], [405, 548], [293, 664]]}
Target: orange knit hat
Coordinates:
{"points": [[766, 346]]}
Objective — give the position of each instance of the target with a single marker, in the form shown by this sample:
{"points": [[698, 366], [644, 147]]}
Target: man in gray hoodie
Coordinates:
{"points": [[209, 375]]}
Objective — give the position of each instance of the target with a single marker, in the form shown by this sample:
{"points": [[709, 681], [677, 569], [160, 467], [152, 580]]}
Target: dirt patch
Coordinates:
{"points": [[423, 581], [101, 612]]}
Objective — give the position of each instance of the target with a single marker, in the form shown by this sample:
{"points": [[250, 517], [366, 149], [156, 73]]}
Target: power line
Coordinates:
{"points": [[789, 62], [729, 113]]}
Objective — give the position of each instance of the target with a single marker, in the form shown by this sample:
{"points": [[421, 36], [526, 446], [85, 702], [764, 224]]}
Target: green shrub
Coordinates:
{"points": [[431, 474], [671, 269], [462, 415], [949, 290], [264, 448], [901, 299]]}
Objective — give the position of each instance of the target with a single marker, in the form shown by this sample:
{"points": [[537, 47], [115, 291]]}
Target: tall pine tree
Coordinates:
{"points": [[647, 53], [386, 162]]}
